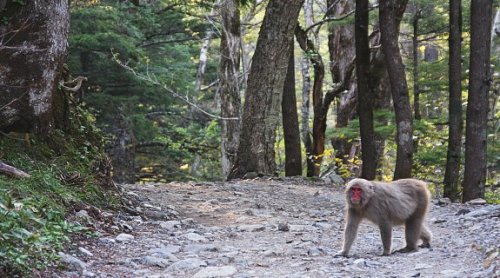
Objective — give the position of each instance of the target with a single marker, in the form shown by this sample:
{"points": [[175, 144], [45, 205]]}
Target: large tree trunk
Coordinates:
{"points": [[293, 157], [306, 103], [365, 98], [33, 44], [265, 87], [452, 173], [229, 83], [477, 103], [389, 27]]}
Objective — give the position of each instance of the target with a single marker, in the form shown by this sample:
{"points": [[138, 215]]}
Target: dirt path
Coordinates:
{"points": [[275, 228]]}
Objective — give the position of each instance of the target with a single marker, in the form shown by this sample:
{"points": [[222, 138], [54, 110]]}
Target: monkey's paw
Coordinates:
{"points": [[405, 250], [341, 254], [425, 245]]}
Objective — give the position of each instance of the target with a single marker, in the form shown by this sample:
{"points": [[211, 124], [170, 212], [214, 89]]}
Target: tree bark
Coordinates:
{"points": [[306, 88], [452, 173], [365, 99], [319, 118], [389, 28], [33, 44], [293, 156], [265, 87], [477, 102], [416, 89], [229, 89]]}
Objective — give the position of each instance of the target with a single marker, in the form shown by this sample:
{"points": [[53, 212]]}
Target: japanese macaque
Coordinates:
{"points": [[402, 202]]}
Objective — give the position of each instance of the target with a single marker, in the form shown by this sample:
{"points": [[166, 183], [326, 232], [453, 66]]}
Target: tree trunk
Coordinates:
{"points": [[380, 88], [477, 102], [293, 156], [265, 87], [306, 88], [416, 89], [452, 173], [365, 99], [33, 44], [342, 52], [229, 83], [389, 28], [305, 112]]}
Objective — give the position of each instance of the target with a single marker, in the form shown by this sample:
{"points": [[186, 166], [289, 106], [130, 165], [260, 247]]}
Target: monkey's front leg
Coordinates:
{"points": [[386, 235], [350, 232]]}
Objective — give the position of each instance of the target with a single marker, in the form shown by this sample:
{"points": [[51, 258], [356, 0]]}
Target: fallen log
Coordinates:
{"points": [[12, 171]]}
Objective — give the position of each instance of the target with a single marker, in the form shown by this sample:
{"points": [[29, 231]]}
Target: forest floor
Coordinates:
{"points": [[270, 228]]}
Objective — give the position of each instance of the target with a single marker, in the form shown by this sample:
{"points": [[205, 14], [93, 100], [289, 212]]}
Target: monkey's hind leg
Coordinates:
{"points": [[413, 232], [426, 237]]}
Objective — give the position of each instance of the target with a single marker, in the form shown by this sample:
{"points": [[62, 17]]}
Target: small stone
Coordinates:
{"points": [[187, 264], [170, 225], [251, 175], [252, 228], [195, 237], [444, 201], [283, 227], [72, 262], [154, 261], [107, 241], [477, 201], [216, 271], [82, 214], [197, 248], [124, 237], [85, 252]]}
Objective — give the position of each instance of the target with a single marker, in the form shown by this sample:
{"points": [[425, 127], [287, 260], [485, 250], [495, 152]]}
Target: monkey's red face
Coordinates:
{"points": [[356, 193]]}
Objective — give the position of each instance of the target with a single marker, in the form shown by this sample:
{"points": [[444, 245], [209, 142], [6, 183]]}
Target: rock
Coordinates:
{"points": [[251, 175], [195, 237], [82, 214], [165, 250], [186, 264], [88, 274], [462, 211], [124, 237], [443, 201], [252, 228], [85, 252], [478, 213], [322, 225], [197, 248], [332, 178], [154, 261], [106, 241], [477, 201], [315, 251], [283, 227], [216, 271], [73, 263], [170, 225]]}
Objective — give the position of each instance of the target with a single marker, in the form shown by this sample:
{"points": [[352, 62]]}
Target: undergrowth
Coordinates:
{"points": [[33, 225]]}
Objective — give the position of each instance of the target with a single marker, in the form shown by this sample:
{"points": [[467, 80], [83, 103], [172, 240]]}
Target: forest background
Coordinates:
{"points": [[156, 88]]}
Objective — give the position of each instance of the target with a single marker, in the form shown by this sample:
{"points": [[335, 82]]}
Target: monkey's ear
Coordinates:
{"points": [[372, 186]]}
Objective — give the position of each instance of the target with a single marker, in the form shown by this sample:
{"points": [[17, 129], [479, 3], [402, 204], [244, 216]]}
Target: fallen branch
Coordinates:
{"points": [[12, 171]]}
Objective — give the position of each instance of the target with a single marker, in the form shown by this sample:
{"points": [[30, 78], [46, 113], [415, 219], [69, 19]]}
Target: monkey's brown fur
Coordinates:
{"points": [[402, 202]]}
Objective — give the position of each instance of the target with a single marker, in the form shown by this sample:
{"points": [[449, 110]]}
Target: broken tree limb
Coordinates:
{"points": [[12, 171]]}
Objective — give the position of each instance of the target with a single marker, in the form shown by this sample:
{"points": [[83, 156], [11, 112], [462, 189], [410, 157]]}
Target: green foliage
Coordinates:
{"points": [[161, 40]]}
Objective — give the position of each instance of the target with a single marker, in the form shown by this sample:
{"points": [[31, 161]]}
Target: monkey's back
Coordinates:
{"points": [[400, 199]]}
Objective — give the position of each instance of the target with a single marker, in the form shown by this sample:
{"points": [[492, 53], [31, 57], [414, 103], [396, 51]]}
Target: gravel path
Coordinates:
{"points": [[272, 228]]}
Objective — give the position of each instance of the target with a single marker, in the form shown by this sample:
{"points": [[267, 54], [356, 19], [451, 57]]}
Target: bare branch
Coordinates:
{"points": [[153, 80]]}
